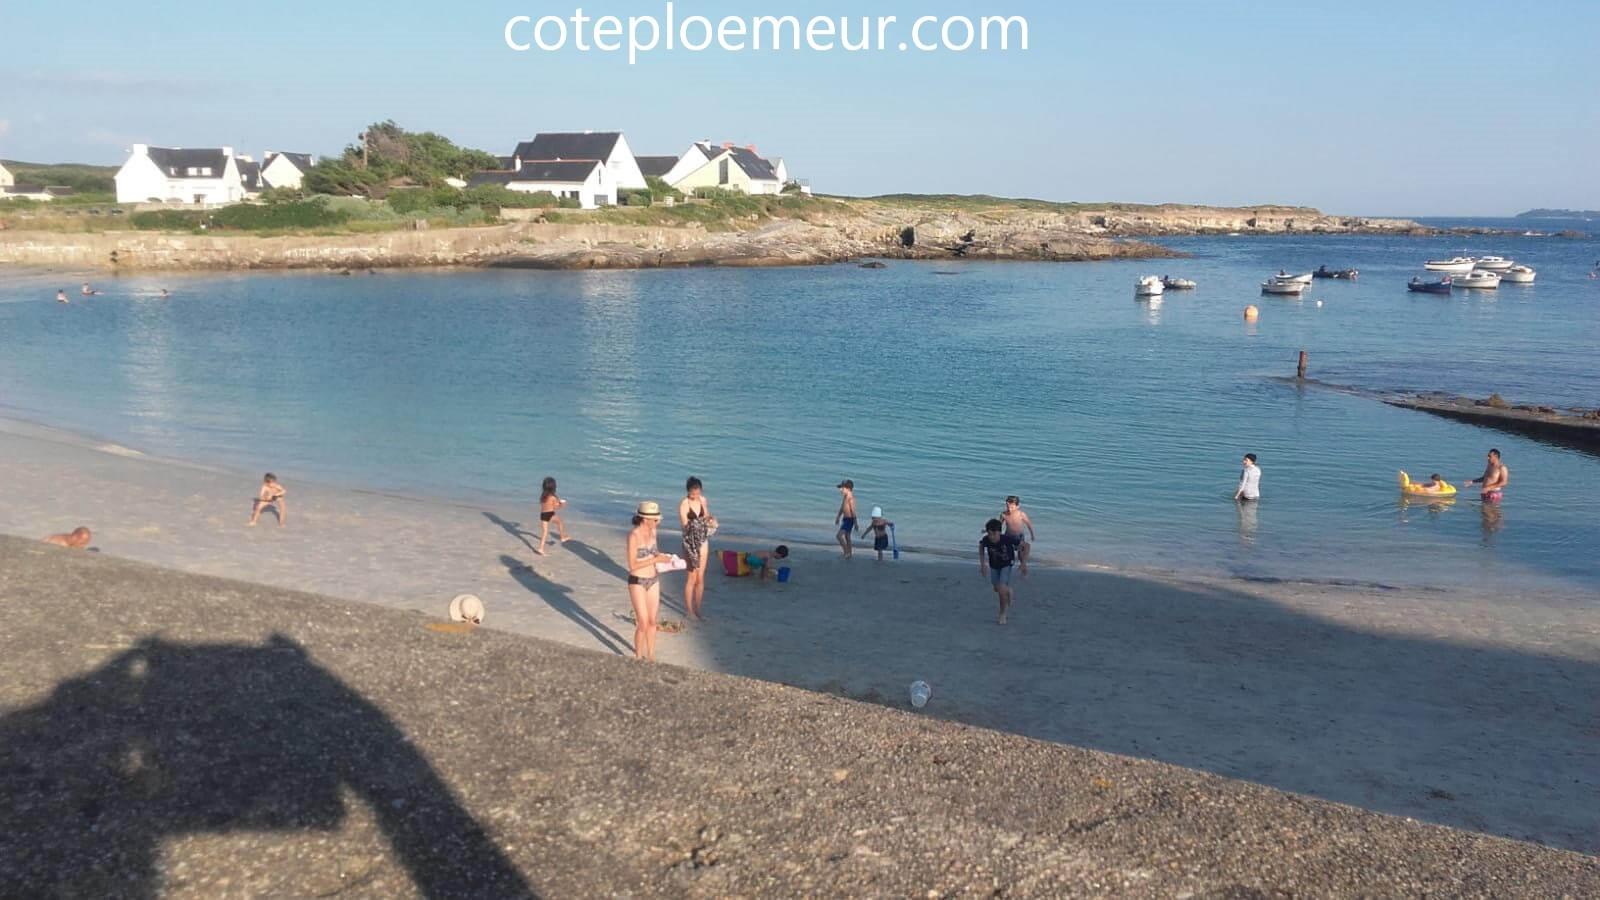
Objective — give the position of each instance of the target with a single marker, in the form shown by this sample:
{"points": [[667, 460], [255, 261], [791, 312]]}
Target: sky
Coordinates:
{"points": [[1405, 107]]}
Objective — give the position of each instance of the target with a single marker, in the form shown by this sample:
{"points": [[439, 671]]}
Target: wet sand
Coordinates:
{"points": [[1450, 707]]}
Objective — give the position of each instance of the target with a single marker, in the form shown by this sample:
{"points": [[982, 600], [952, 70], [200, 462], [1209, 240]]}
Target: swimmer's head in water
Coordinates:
{"points": [[79, 537], [992, 526], [1435, 477]]}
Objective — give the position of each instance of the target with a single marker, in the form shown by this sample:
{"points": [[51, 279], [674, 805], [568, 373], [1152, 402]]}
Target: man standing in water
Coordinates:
{"points": [[845, 518], [1249, 480], [1494, 479]]}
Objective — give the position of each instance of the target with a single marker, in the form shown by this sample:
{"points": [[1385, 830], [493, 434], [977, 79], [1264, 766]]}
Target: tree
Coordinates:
{"points": [[388, 155]]}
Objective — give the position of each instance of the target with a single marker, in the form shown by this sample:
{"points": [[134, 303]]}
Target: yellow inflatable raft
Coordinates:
{"points": [[1420, 489]]}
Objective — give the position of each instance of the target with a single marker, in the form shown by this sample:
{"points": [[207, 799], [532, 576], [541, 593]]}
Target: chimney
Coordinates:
{"points": [[516, 164], [141, 149], [227, 151], [751, 148], [727, 145]]}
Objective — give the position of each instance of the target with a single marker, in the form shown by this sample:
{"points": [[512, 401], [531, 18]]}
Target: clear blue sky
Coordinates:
{"points": [[1397, 107]]}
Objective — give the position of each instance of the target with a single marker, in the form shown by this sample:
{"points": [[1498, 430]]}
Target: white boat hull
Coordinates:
{"points": [[1515, 277], [1450, 267], [1477, 281], [1283, 287], [1149, 286], [1495, 264]]}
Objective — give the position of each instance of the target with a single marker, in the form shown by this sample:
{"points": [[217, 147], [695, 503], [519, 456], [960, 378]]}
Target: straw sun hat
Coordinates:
{"points": [[649, 509]]}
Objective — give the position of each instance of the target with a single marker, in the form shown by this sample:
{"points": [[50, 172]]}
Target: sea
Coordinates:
{"points": [[938, 387]]}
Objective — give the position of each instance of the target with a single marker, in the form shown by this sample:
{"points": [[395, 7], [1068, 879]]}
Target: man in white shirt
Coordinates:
{"points": [[1249, 480]]}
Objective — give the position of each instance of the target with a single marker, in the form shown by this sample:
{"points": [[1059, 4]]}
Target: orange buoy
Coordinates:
{"points": [[1251, 313]]}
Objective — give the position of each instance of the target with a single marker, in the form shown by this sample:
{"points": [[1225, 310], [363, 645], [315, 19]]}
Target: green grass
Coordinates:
{"points": [[718, 212]]}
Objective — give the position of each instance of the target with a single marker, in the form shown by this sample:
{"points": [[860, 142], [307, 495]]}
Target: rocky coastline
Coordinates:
{"points": [[842, 231]]}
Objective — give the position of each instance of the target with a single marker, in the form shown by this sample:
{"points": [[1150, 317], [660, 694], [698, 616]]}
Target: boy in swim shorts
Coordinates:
{"points": [[845, 519], [1017, 522], [271, 494], [879, 526]]}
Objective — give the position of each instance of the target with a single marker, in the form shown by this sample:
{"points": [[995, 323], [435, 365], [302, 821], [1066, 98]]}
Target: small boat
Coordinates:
{"points": [[1149, 286], [1346, 274], [1460, 265], [1278, 286], [1442, 286], [1477, 278], [1518, 275], [1494, 263], [1177, 284], [1304, 278]]}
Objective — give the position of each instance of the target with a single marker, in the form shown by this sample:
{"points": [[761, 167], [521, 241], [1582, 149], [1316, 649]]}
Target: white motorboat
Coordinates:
{"points": [[1177, 284], [1494, 263], [1477, 278], [1460, 265], [1518, 275], [1149, 286], [1304, 278], [1281, 286]]}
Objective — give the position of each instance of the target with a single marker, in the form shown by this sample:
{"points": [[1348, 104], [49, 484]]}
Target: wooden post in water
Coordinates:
{"points": [[1300, 370]]}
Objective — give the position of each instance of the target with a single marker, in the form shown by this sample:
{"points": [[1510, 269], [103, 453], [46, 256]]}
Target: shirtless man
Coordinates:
{"points": [[1494, 479], [61, 297], [1017, 522], [76, 539], [271, 494], [845, 518]]}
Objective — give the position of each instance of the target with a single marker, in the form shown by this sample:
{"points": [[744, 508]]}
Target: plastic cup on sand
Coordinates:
{"points": [[920, 692], [783, 574]]}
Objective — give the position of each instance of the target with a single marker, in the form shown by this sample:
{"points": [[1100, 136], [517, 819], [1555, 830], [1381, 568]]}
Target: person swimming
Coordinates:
{"points": [[1434, 485]]}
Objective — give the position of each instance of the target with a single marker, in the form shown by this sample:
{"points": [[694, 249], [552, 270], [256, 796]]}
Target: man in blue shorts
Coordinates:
{"points": [[996, 554]]}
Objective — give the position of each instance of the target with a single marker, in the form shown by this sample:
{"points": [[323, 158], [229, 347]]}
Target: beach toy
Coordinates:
{"points": [[1415, 489], [1251, 313], [920, 692], [466, 608], [783, 574], [894, 543]]}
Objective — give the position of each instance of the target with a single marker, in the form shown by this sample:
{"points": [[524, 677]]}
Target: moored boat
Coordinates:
{"points": [[1149, 286], [1177, 284], [1460, 265], [1494, 263], [1281, 286], [1442, 286], [1519, 275], [1346, 274], [1478, 279], [1303, 278]]}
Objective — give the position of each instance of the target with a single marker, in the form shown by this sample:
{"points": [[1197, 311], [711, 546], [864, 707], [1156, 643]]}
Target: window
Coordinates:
{"points": [[722, 172]]}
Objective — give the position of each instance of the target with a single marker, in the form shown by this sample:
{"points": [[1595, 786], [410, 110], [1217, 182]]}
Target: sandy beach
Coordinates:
{"points": [[1453, 708]]}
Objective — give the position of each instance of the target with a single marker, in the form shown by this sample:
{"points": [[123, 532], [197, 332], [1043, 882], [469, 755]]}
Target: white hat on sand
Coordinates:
{"points": [[466, 608], [877, 512]]}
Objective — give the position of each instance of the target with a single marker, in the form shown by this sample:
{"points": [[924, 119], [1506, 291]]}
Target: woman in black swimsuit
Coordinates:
{"points": [[695, 517], [644, 582]]}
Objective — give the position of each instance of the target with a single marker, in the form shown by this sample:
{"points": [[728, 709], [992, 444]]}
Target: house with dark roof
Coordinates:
{"points": [[587, 181], [285, 170], [250, 176], [655, 166], [200, 176], [727, 166], [608, 147]]}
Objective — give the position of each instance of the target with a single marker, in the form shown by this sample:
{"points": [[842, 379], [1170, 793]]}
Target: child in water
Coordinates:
{"points": [[76, 539], [879, 526], [271, 494], [549, 511]]}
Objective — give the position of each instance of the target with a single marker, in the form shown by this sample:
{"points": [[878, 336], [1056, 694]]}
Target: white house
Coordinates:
{"points": [[607, 147], [285, 170], [728, 167], [587, 181], [202, 176], [6, 178], [250, 176]]}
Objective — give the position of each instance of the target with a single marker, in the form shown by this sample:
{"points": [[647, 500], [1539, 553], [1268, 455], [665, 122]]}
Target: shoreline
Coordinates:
{"points": [[856, 230], [1324, 690]]}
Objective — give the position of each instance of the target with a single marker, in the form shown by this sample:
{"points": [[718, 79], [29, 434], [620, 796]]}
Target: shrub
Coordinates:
{"points": [[494, 196], [168, 220], [272, 216], [410, 201], [638, 198]]}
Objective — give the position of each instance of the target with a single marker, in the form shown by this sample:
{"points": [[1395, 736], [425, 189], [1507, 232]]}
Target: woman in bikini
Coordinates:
{"points": [[695, 517], [549, 511], [644, 581]]}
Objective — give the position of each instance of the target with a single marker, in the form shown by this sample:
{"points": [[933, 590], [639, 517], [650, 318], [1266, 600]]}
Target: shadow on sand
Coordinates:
{"points": [[172, 739], [1460, 733], [514, 529], [559, 598]]}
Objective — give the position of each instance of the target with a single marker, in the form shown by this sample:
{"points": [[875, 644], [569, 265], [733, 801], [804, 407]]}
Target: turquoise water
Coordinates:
{"points": [[1120, 423]]}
